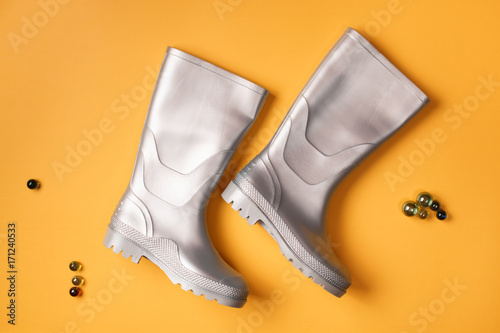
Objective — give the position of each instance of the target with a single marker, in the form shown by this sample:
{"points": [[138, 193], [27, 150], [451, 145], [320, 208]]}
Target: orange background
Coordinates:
{"points": [[61, 75]]}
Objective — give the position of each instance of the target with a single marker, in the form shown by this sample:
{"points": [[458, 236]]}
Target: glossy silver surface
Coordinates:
{"points": [[354, 101], [197, 116]]}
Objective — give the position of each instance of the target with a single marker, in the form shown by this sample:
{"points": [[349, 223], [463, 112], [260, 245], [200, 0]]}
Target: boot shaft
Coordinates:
{"points": [[353, 102], [197, 116]]}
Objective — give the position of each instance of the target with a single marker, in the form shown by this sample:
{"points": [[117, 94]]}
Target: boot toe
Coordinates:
{"points": [[236, 282], [340, 269]]}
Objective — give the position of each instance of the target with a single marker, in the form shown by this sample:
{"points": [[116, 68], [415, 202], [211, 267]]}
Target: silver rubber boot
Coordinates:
{"points": [[354, 101], [197, 116]]}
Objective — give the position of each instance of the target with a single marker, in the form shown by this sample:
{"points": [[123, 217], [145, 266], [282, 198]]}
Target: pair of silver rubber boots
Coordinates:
{"points": [[199, 113]]}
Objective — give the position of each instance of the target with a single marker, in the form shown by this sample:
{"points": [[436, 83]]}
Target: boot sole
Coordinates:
{"points": [[119, 242], [249, 209]]}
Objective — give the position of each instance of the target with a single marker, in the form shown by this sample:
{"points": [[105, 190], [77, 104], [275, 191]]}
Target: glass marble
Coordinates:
{"points": [[77, 280], [75, 291], [75, 266], [441, 214], [423, 214], [410, 208], [33, 184], [424, 199], [435, 206]]}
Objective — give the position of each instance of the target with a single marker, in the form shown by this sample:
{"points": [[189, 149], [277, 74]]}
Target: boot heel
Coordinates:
{"points": [[121, 244], [242, 204]]}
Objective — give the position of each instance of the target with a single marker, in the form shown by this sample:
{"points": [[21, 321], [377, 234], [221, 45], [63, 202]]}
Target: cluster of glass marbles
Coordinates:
{"points": [[75, 266], [424, 200], [77, 280]]}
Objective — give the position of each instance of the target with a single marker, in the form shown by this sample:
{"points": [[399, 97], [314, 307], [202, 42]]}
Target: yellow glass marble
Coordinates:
{"points": [[77, 280], [75, 266]]}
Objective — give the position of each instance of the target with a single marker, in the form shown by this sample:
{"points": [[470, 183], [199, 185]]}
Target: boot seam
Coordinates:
{"points": [[217, 70], [363, 42]]}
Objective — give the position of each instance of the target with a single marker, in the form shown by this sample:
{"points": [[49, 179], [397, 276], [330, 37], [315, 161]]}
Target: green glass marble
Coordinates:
{"points": [[75, 266], [77, 280], [424, 199], [410, 208], [75, 291], [423, 214]]}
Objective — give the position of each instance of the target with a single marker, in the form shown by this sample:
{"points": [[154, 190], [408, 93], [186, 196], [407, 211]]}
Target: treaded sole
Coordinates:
{"points": [[247, 209], [129, 249]]}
